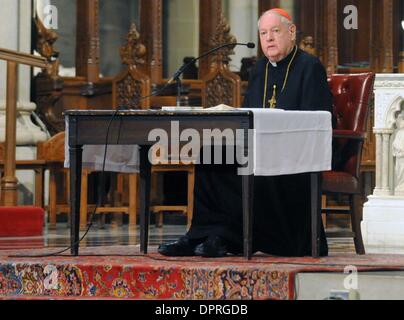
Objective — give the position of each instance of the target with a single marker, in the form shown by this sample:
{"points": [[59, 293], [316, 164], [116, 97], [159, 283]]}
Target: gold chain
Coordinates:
{"points": [[273, 103]]}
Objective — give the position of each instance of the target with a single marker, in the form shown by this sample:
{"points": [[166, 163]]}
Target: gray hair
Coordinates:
{"points": [[283, 19]]}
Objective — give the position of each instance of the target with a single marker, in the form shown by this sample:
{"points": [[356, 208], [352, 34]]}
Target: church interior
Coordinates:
{"points": [[59, 56]]}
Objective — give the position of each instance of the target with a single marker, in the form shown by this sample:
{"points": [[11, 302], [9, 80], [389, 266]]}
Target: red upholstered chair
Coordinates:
{"points": [[351, 104]]}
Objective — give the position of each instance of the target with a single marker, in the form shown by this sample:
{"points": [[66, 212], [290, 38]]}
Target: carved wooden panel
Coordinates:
{"points": [[221, 85], [219, 90], [387, 36], [316, 19], [369, 147], [127, 90], [151, 30], [88, 40], [131, 84], [47, 85], [381, 38], [330, 57], [210, 12], [47, 93]]}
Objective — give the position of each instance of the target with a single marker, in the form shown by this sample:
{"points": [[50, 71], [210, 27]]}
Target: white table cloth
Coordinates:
{"points": [[285, 142], [291, 142]]}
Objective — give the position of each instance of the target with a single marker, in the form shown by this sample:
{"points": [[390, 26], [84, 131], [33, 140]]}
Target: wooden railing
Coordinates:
{"points": [[8, 184]]}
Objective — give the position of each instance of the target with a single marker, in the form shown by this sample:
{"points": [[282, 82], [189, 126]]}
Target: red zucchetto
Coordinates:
{"points": [[282, 12]]}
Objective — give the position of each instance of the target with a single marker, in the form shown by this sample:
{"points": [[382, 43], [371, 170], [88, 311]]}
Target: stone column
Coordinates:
{"points": [[15, 34], [386, 190], [383, 213], [379, 157]]}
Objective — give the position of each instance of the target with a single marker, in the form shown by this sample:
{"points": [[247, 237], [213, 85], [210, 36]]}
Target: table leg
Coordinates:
{"points": [[248, 196], [75, 154], [315, 187], [39, 183], [144, 197]]}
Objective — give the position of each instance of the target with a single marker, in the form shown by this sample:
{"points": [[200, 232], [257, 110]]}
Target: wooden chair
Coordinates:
{"points": [[52, 153], [115, 204], [220, 85], [133, 83], [351, 104], [128, 89]]}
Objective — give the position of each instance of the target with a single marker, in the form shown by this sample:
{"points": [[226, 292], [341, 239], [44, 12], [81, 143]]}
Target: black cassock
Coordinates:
{"points": [[281, 203]]}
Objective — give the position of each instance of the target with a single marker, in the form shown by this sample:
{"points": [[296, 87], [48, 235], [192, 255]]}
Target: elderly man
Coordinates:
{"points": [[286, 78]]}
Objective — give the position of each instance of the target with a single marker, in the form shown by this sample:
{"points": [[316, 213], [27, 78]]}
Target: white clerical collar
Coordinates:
{"points": [[274, 64]]}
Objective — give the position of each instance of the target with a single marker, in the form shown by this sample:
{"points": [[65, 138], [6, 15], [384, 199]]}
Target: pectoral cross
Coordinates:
{"points": [[272, 101]]}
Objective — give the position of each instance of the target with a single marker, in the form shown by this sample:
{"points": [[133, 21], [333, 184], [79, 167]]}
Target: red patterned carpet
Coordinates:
{"points": [[122, 273]]}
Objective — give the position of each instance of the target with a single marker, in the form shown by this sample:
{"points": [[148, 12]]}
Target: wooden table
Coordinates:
{"points": [[133, 127]]}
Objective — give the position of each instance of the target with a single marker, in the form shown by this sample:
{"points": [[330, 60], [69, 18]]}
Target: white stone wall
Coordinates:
{"points": [[383, 213]]}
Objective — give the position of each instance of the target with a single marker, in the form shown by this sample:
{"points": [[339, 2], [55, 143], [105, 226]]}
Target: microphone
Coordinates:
{"points": [[135, 101], [185, 66]]}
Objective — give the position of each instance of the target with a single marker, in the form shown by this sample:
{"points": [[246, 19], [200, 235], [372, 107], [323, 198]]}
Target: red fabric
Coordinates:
{"points": [[282, 12], [21, 221]]}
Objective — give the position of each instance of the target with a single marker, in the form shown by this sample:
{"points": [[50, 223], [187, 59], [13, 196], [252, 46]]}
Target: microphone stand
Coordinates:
{"points": [[176, 76], [179, 88]]}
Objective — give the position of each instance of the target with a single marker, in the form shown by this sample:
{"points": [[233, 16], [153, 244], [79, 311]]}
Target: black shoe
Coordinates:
{"points": [[213, 247], [182, 247]]}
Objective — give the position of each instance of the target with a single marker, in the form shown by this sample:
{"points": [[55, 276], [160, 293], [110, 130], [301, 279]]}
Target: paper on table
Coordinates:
{"points": [[181, 108], [221, 107]]}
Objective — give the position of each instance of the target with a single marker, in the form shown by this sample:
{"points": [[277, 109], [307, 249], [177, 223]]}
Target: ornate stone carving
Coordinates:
{"points": [[382, 225], [398, 153], [391, 113], [383, 102]]}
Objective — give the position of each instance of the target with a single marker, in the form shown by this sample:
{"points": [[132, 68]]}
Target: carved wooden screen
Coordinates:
{"points": [[131, 86], [221, 85]]}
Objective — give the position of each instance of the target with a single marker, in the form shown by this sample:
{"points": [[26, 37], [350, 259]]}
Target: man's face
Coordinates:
{"points": [[277, 38]]}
